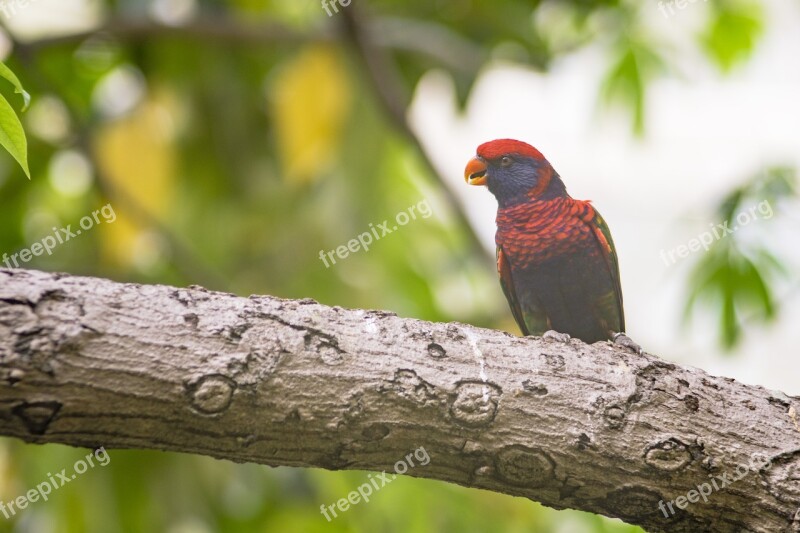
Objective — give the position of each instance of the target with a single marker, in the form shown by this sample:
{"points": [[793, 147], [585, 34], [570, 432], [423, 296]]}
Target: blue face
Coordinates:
{"points": [[509, 178]]}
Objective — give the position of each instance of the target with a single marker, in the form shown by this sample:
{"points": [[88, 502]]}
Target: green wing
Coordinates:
{"points": [[609, 307], [531, 321]]}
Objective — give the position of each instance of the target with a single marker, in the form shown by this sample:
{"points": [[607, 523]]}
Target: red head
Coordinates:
{"points": [[500, 147], [514, 172]]}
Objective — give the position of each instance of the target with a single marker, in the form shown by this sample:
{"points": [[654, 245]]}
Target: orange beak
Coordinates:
{"points": [[475, 173]]}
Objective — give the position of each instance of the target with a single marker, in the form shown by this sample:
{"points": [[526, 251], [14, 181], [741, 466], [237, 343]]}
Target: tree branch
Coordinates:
{"points": [[203, 28], [91, 362], [427, 39], [388, 86]]}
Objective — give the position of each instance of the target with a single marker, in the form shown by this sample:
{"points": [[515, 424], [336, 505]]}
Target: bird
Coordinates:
{"points": [[556, 259]]}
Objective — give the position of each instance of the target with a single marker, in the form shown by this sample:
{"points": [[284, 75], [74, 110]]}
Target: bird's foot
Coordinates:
{"points": [[620, 339], [552, 335]]}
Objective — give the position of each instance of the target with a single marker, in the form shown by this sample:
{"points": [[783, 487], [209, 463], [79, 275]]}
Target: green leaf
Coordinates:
{"points": [[8, 74], [626, 82], [732, 32], [729, 325], [757, 290], [12, 136]]}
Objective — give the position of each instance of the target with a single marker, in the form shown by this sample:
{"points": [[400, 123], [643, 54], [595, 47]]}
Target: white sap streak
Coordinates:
{"points": [[370, 326], [473, 341]]}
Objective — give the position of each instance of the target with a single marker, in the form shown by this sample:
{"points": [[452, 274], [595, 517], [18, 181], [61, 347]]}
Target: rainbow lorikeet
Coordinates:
{"points": [[557, 263]]}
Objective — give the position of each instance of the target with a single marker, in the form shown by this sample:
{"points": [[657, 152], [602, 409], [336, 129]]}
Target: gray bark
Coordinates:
{"points": [[90, 362]]}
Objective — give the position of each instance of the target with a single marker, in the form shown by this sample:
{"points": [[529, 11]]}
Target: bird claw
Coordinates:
{"points": [[552, 335], [620, 339]]}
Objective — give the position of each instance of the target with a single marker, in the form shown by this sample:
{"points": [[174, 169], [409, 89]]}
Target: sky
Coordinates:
{"points": [[705, 133]]}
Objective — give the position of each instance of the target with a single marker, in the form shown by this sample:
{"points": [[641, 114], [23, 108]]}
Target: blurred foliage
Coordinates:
{"points": [[147, 491], [737, 273], [238, 139]]}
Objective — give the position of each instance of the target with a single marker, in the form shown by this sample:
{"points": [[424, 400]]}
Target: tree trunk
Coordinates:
{"points": [[90, 362]]}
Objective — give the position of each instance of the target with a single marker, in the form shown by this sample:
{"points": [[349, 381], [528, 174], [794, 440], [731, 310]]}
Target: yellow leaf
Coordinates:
{"points": [[310, 102], [137, 158]]}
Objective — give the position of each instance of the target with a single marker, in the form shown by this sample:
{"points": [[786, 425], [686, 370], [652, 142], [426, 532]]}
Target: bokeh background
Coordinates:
{"points": [[237, 139]]}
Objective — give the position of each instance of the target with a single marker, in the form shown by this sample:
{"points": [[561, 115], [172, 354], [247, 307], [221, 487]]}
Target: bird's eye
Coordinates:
{"points": [[505, 162]]}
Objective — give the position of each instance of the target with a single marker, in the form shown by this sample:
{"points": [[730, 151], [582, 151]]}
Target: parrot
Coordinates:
{"points": [[556, 260]]}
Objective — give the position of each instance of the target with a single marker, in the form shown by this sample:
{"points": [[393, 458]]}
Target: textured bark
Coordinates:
{"points": [[91, 362]]}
